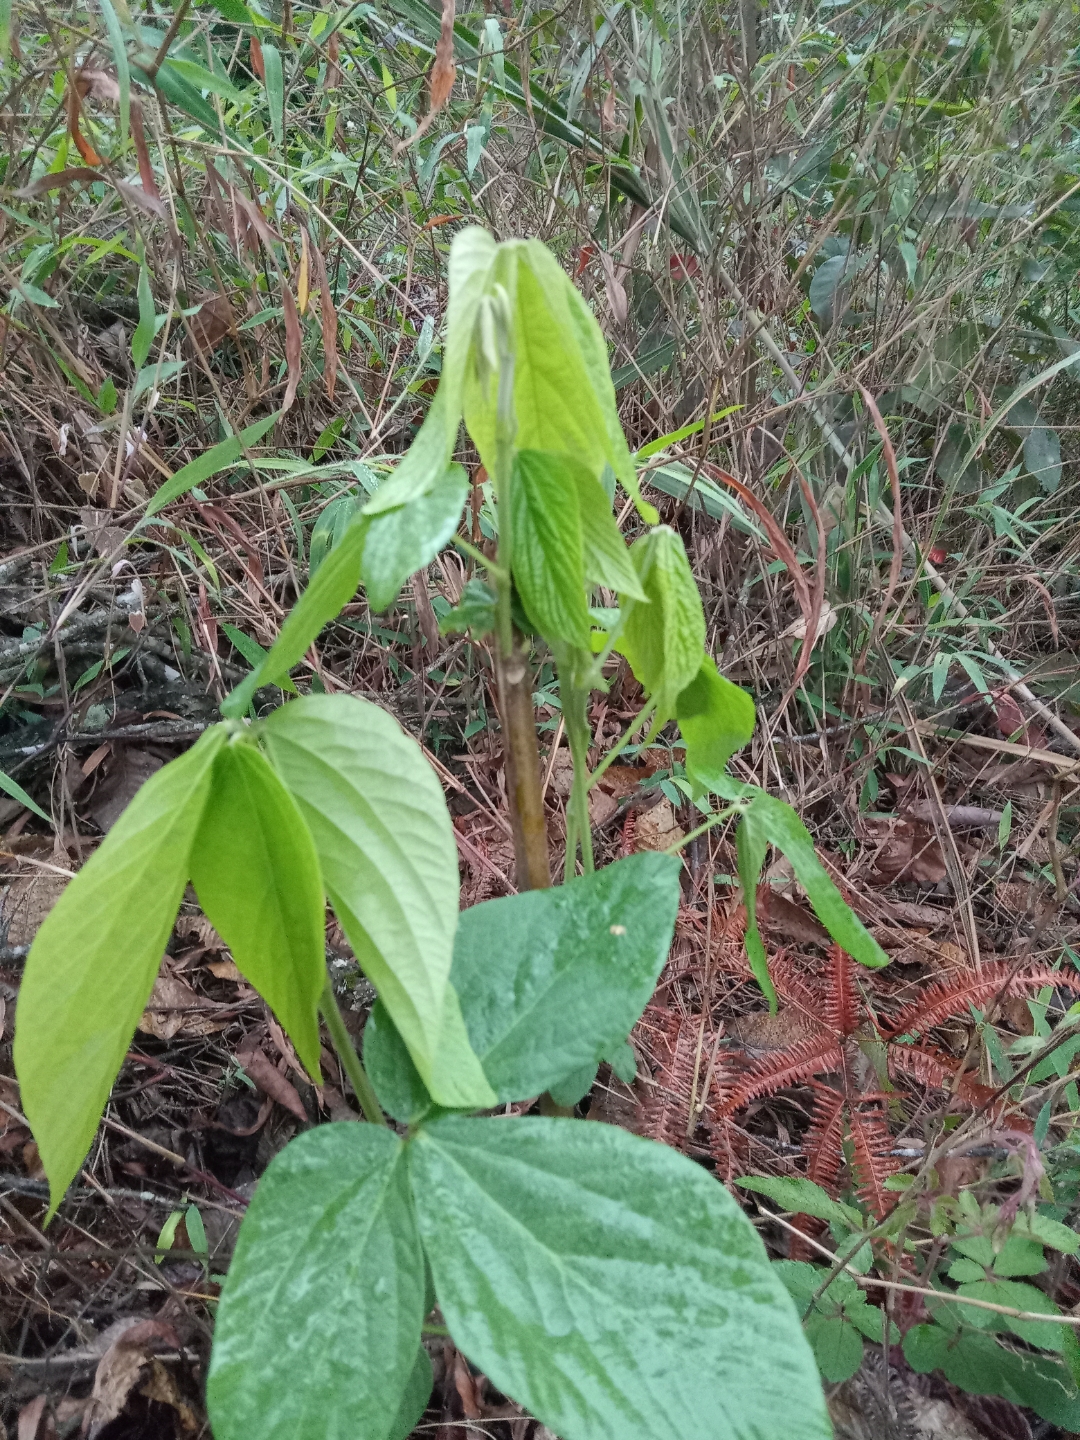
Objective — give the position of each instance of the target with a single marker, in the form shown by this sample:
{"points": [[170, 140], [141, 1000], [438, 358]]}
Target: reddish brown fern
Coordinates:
{"points": [[946, 999], [673, 1043]]}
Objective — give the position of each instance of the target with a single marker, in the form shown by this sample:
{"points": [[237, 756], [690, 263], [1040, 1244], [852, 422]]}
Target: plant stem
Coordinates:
{"points": [[624, 739], [522, 754], [701, 829], [575, 711], [346, 1052]]}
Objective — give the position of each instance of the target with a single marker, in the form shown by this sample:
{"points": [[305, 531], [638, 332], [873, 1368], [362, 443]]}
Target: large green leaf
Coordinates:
{"points": [[609, 1284], [547, 550], [333, 585], [400, 542], [551, 981], [319, 1323], [257, 877], [974, 1361], [664, 640], [386, 848], [716, 719], [92, 964]]}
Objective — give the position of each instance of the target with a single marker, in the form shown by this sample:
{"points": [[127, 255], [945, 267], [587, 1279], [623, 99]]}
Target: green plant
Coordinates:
{"points": [[601, 1280]]}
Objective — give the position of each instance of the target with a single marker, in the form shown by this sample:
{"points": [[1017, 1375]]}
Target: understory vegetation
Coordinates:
{"points": [[832, 253]]}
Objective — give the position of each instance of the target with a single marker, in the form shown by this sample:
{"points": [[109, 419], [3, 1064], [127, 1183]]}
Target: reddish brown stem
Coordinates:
{"points": [[522, 759]]}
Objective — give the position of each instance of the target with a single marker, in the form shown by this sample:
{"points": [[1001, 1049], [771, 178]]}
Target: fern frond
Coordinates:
{"points": [[952, 999], [933, 1067], [791, 984], [873, 1164], [824, 1142], [674, 1048], [842, 999], [816, 1055]]}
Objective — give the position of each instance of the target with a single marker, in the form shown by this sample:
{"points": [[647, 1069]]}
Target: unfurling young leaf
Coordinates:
{"points": [[664, 640], [257, 877], [318, 1330], [475, 611], [608, 1284], [564, 400], [386, 848], [93, 962]]}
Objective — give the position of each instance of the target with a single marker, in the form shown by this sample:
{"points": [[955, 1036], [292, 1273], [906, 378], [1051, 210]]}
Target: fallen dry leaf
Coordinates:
{"points": [[199, 929], [785, 918], [129, 770], [904, 850], [271, 1082], [160, 1385], [36, 1420], [212, 322], [174, 1008], [26, 902], [225, 970], [657, 828], [120, 1369]]}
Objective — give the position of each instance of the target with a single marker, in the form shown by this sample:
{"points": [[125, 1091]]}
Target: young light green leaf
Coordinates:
{"points": [[319, 1323], [802, 1197], [664, 640], [607, 556], [400, 542], [257, 877], [564, 400], [550, 981], [788, 833], [716, 719], [386, 847], [143, 336], [475, 611], [275, 91], [15, 790], [218, 457], [547, 551], [472, 256], [252, 651], [93, 962], [751, 847], [334, 585], [608, 1284]]}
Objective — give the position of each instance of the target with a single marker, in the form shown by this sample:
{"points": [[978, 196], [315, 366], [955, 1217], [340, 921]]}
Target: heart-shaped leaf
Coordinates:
{"points": [[609, 1285]]}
